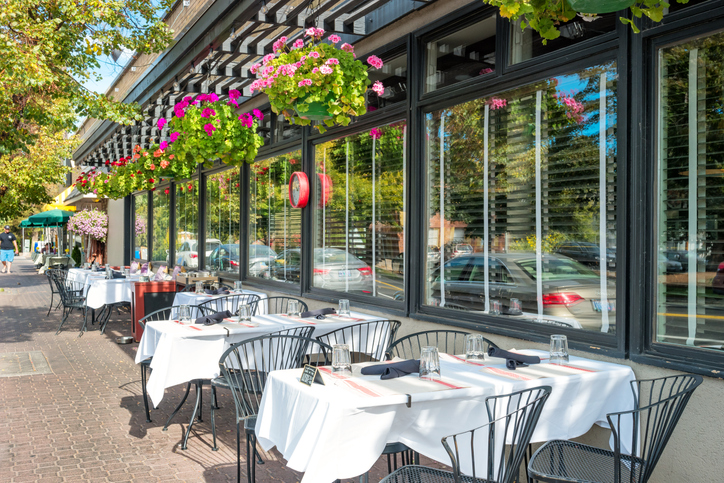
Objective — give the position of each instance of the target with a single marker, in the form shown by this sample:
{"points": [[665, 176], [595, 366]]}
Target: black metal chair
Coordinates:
{"points": [[447, 341], [222, 383], [513, 418], [72, 296], [367, 341], [52, 275], [276, 305], [246, 366], [230, 302], [659, 403]]}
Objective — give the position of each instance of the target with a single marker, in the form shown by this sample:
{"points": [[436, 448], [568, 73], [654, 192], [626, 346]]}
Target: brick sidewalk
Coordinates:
{"points": [[85, 420]]}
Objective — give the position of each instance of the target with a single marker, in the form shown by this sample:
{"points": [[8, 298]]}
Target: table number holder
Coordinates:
{"points": [[311, 374]]}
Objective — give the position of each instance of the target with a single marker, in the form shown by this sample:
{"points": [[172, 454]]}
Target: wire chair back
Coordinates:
{"points": [[659, 403], [55, 274], [513, 418], [367, 341], [447, 341], [246, 366], [72, 293], [170, 313], [296, 331], [229, 302], [276, 305]]}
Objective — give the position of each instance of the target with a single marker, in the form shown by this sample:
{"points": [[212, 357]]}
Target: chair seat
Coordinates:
{"points": [[423, 474], [250, 424], [146, 362], [392, 448], [220, 382], [570, 461]]}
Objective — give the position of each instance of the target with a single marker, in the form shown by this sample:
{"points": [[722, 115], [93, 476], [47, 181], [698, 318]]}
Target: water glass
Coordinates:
{"points": [[199, 287], [516, 308], [237, 286], [293, 308], [474, 348], [495, 307], [244, 313], [559, 349], [184, 314], [343, 307], [341, 360], [127, 272], [108, 272], [429, 363]]}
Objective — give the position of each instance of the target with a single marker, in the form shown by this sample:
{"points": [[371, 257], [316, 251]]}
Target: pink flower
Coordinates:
{"points": [[209, 128], [163, 145], [246, 120], [232, 102], [268, 70], [164, 164], [202, 97], [487, 70], [298, 44], [332, 61], [267, 58], [254, 68], [496, 103], [375, 133], [325, 69], [174, 136], [212, 97], [152, 167], [161, 122], [258, 114], [208, 112], [318, 33], [234, 94], [256, 85], [308, 82], [315, 70], [374, 61], [378, 88], [301, 83], [314, 55], [334, 38], [179, 112], [279, 44], [347, 48], [188, 99]]}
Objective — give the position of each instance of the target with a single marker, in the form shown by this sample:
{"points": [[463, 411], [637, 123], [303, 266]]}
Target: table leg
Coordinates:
{"points": [[199, 387]]}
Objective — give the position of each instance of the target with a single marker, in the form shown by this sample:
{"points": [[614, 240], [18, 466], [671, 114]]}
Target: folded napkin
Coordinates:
{"points": [[144, 268], [176, 271], [134, 267], [391, 370], [318, 312], [213, 319], [221, 291], [115, 274], [160, 274], [513, 359]]}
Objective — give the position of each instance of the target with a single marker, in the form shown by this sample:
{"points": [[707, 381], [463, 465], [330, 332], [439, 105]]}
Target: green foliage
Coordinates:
{"points": [[75, 255]]}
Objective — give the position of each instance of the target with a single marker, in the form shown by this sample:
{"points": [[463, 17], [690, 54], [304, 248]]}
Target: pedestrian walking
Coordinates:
{"points": [[8, 249]]}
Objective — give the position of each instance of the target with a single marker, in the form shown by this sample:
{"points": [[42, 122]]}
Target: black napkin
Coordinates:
{"points": [[318, 312], [221, 291], [512, 359], [115, 274], [214, 318], [392, 370]]}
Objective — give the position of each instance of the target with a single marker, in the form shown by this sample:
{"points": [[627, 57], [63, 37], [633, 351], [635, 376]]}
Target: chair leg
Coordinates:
{"points": [[85, 322], [188, 389], [193, 415], [65, 316], [215, 399], [238, 453], [249, 461], [213, 419], [201, 405], [51, 303], [145, 394]]}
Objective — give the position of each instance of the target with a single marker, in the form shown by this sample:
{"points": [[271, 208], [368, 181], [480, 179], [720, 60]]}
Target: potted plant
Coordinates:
{"points": [[316, 80]]}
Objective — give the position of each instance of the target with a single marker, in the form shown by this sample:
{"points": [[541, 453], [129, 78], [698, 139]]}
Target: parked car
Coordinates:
{"points": [[570, 289], [187, 254], [668, 266], [461, 249], [587, 253], [261, 258], [683, 257], [334, 269], [224, 258]]}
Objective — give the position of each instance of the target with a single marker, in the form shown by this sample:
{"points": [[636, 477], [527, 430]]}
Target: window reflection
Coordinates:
{"points": [[222, 221], [690, 255], [161, 217], [393, 76], [140, 240], [275, 228], [187, 224], [359, 217], [522, 203]]}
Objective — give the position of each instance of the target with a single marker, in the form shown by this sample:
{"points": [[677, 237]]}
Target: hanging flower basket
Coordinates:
{"points": [[316, 81], [600, 6]]}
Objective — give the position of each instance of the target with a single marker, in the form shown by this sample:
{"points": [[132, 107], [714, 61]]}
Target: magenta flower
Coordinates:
{"points": [[496, 103], [232, 102], [332, 61], [188, 98], [208, 112], [258, 114], [234, 94], [375, 133], [246, 120], [163, 145], [209, 128], [334, 38], [212, 97], [161, 122], [179, 112], [325, 69], [378, 88], [202, 97], [374, 61], [174, 136]]}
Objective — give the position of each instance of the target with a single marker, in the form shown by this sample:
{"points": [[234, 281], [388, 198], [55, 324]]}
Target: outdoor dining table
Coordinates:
{"points": [[193, 298], [49, 261], [101, 292], [339, 430]]}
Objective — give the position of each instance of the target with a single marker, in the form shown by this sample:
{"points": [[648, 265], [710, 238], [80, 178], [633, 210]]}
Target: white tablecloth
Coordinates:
{"points": [[335, 431], [99, 291], [182, 353], [192, 298]]}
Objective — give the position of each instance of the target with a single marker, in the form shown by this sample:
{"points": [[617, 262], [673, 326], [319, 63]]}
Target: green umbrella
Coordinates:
{"points": [[27, 223], [50, 218]]}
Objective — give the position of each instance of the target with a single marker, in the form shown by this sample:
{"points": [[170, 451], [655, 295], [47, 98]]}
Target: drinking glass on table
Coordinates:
{"points": [[237, 286], [245, 315], [559, 349], [184, 314], [127, 272], [343, 308], [199, 287], [293, 308], [429, 363], [341, 360], [474, 347]]}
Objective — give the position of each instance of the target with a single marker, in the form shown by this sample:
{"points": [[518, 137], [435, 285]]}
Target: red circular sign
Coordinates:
{"points": [[298, 190], [325, 185]]}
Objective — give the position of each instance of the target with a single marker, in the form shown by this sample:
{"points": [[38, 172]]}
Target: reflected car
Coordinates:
{"points": [[667, 265], [224, 258], [261, 258], [187, 254], [334, 269], [587, 253], [571, 291]]}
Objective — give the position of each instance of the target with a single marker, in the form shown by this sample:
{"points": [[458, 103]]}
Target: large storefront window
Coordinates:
{"points": [[222, 221], [140, 239], [187, 224], [690, 255], [521, 202], [161, 218], [275, 228], [360, 213]]}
